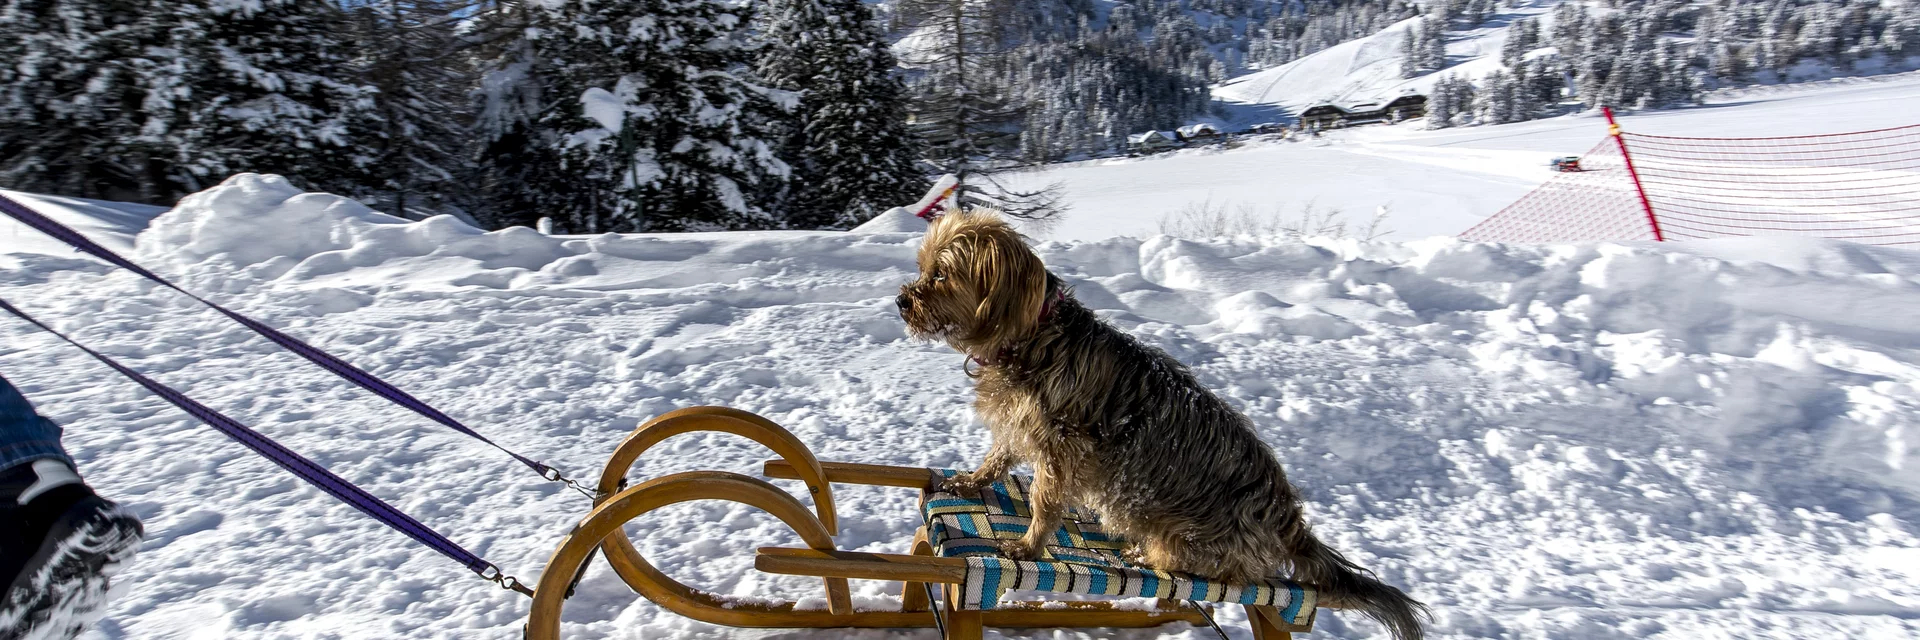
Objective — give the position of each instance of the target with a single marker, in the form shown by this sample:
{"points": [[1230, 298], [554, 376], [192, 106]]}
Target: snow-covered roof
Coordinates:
{"points": [[1149, 136], [1199, 130]]}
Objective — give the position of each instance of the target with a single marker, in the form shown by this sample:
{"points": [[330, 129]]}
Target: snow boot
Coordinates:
{"points": [[60, 546]]}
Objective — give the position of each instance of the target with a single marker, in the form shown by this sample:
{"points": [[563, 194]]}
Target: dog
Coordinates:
{"points": [[1117, 425]]}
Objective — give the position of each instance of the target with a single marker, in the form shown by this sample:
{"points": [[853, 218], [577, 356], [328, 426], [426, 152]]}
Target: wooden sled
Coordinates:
{"points": [[960, 616]]}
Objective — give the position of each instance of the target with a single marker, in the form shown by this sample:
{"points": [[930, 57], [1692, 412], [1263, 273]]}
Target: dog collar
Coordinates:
{"points": [[1046, 308]]}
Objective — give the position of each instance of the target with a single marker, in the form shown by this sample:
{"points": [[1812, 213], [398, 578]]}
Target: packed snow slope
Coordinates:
{"points": [[1434, 183], [1709, 440]]}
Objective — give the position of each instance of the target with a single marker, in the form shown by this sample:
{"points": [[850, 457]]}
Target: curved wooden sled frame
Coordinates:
{"points": [[602, 530]]}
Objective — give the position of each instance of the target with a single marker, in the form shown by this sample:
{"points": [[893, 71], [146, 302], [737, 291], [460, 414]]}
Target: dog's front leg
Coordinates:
{"points": [[1047, 497], [998, 462]]}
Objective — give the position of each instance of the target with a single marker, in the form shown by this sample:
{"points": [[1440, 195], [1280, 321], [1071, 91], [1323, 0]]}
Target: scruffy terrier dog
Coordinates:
{"points": [[1120, 426]]}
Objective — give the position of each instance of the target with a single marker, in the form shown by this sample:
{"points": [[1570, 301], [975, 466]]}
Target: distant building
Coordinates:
{"points": [[1201, 133], [1333, 116], [1151, 141]]}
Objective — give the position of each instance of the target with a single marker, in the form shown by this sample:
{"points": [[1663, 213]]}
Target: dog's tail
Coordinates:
{"points": [[1319, 566]]}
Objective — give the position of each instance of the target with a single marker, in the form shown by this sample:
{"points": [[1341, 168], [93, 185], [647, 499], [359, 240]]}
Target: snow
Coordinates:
{"points": [[605, 108], [1710, 439], [1356, 71], [907, 219], [112, 224], [1434, 183]]}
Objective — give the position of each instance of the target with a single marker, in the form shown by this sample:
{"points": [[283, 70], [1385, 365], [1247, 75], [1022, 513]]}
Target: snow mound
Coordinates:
{"points": [[268, 227], [895, 220], [1566, 441]]}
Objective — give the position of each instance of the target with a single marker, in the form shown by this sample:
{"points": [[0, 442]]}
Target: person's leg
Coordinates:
{"points": [[61, 544], [25, 436]]}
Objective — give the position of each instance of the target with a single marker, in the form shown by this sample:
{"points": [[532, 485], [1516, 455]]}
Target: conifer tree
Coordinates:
{"points": [[70, 98], [409, 57], [1434, 51], [1410, 52], [1440, 104], [631, 116], [961, 105], [1496, 99], [515, 163], [265, 86], [148, 100], [960, 108], [846, 141]]}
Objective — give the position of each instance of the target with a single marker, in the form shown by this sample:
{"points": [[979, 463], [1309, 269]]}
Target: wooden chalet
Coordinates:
{"points": [[1201, 133], [1333, 116], [1151, 141]]}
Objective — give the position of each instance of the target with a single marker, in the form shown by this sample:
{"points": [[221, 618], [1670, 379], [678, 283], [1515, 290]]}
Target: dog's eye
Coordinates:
{"points": [[938, 277]]}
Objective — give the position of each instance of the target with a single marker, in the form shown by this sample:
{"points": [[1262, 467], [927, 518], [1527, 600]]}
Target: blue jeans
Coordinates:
{"points": [[25, 436]]}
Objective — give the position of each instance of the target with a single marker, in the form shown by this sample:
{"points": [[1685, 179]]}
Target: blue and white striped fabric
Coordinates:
{"points": [[1083, 558]]}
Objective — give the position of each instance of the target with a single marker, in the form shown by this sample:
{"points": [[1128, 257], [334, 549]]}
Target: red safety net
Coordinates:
{"points": [[1861, 187]]}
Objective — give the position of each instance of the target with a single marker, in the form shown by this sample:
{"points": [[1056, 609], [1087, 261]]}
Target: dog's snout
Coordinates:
{"points": [[905, 302]]}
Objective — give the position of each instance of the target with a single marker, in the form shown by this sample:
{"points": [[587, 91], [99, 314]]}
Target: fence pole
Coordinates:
{"points": [[1613, 129]]}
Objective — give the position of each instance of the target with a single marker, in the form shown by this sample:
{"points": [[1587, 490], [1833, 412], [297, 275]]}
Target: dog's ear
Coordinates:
{"points": [[1012, 282]]}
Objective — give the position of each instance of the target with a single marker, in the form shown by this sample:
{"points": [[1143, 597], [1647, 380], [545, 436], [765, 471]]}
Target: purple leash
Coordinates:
{"points": [[326, 361], [300, 466]]}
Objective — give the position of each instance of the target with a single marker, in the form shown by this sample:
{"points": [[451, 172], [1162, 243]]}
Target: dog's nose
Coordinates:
{"points": [[904, 302]]}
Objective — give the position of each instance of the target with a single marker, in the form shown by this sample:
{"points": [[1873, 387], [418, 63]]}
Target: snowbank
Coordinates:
{"points": [[1565, 441]]}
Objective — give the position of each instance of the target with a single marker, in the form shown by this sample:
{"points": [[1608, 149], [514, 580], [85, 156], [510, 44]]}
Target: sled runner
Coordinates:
{"points": [[953, 579]]}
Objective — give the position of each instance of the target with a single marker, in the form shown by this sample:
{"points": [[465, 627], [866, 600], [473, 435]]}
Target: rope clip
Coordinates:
{"points": [[505, 581]]}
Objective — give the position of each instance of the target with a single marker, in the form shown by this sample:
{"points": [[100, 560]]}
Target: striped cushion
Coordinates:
{"points": [[1082, 557]]}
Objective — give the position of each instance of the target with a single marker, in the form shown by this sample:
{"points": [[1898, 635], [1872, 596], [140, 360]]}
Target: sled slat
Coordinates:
{"points": [[864, 566], [853, 473]]}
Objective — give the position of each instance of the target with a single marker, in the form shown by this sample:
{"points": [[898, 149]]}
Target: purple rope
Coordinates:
{"points": [[326, 361], [294, 463]]}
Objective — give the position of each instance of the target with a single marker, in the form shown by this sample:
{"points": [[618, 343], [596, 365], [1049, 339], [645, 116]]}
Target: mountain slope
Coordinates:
{"points": [[1366, 70]]}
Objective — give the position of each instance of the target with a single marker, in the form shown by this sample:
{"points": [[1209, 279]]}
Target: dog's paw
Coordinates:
{"points": [[1019, 550], [967, 482]]}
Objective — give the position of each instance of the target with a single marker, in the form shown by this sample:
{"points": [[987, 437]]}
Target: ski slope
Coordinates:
{"points": [[1434, 183], [1699, 440]]}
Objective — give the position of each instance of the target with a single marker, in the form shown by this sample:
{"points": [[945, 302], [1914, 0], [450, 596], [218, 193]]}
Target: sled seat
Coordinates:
{"points": [[953, 578], [1082, 558]]}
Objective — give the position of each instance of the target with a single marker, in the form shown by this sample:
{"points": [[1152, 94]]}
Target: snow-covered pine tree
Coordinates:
{"points": [[1901, 35], [518, 174], [147, 101], [1523, 97], [266, 86], [1679, 82], [1433, 30], [1496, 98], [1440, 104], [1523, 36], [1464, 96], [71, 98], [647, 105], [409, 55], [847, 141], [1410, 52]]}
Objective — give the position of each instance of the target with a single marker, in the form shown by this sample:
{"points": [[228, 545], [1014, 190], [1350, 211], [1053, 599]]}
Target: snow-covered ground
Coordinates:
{"points": [[1699, 440], [112, 224], [1436, 183]]}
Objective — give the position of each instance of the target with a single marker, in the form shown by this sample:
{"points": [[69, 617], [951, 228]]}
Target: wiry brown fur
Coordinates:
{"points": [[1119, 426]]}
